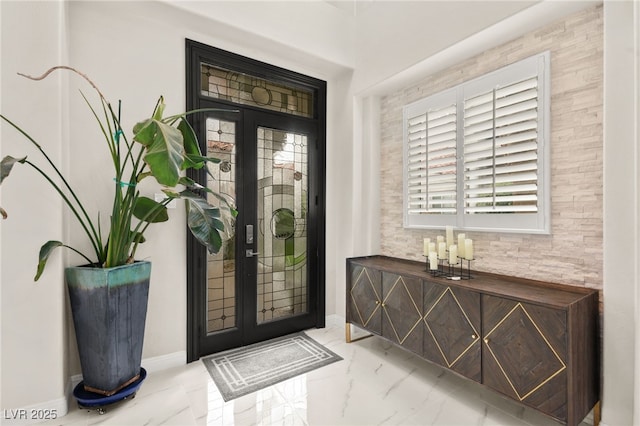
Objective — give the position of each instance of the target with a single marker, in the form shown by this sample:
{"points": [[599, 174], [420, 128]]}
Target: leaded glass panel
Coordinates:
{"points": [[282, 219], [220, 83], [221, 267]]}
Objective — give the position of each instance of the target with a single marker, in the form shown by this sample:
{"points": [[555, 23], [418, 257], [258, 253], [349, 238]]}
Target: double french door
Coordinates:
{"points": [[267, 280]]}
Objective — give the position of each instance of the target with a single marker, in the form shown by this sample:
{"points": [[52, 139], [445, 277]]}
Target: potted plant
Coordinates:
{"points": [[109, 293]]}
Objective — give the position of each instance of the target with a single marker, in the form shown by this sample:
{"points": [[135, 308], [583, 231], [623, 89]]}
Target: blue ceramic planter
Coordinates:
{"points": [[109, 308]]}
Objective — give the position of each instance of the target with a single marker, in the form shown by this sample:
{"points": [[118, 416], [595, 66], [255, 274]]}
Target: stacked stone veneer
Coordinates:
{"points": [[572, 254]]}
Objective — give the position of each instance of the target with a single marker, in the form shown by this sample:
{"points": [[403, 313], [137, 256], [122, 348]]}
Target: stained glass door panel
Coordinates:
{"points": [[282, 200], [221, 267]]}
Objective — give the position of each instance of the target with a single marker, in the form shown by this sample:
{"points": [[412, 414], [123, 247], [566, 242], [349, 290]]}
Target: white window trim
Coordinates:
{"points": [[533, 223]]}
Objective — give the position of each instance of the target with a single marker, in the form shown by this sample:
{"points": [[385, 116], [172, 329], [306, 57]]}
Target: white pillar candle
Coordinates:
{"points": [[442, 250], [449, 230], [432, 247], [453, 254], [425, 249], [461, 245], [439, 239], [468, 249], [433, 260]]}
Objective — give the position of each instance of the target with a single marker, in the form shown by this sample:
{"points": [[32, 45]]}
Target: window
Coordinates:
{"points": [[476, 155], [242, 88]]}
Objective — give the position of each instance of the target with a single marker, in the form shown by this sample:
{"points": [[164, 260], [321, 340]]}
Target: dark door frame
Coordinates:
{"points": [[196, 53]]}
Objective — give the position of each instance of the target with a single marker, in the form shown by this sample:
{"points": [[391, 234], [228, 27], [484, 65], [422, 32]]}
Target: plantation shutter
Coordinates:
{"points": [[476, 155], [501, 150], [431, 161]]}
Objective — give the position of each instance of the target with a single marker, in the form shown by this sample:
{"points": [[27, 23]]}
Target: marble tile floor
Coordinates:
{"points": [[375, 384]]}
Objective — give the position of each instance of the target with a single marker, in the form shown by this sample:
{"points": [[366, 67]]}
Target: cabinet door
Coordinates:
{"points": [[524, 353], [365, 298], [452, 329], [402, 310]]}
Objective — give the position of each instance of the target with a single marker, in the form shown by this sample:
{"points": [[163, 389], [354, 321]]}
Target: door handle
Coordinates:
{"points": [[251, 253]]}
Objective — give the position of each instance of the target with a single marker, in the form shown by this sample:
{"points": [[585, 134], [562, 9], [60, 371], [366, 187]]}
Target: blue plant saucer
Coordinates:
{"points": [[88, 399]]}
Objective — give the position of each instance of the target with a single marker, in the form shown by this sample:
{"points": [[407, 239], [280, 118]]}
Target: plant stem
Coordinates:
{"points": [[69, 204], [94, 237], [74, 250], [64, 67]]}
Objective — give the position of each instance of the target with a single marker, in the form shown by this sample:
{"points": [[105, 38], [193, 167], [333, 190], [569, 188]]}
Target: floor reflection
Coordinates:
{"points": [[282, 403], [375, 384]]}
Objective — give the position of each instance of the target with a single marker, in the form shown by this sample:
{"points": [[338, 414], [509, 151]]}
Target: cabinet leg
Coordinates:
{"points": [[596, 414]]}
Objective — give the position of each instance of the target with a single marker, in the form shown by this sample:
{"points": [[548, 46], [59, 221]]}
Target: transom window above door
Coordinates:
{"points": [[245, 89]]}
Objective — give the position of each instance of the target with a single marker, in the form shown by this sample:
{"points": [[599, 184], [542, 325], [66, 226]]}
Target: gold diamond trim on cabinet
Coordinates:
{"points": [[355, 300], [401, 340], [487, 341], [475, 334]]}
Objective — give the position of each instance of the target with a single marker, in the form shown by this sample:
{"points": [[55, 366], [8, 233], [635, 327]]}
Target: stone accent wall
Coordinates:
{"points": [[572, 254]]}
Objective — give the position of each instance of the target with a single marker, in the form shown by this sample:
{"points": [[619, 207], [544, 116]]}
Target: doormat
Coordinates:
{"points": [[240, 371]]}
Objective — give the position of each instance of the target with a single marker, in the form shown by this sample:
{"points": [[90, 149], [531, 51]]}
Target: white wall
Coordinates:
{"points": [[33, 344], [636, 31], [339, 189], [621, 222], [428, 50], [395, 35], [319, 32]]}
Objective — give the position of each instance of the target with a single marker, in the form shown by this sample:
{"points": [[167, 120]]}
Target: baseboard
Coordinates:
{"points": [[153, 364], [163, 362], [334, 319]]}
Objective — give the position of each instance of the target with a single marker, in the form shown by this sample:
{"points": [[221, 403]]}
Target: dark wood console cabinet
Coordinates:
{"points": [[532, 341]]}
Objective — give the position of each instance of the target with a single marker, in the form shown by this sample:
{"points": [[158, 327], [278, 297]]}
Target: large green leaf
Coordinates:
{"points": [[159, 111], [171, 194], [137, 237], [193, 156], [143, 175], [164, 150], [5, 169], [7, 164], [45, 252], [150, 211], [191, 147], [203, 221], [144, 131], [200, 160], [192, 185]]}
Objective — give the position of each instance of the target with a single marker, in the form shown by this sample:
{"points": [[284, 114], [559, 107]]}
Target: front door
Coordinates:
{"points": [[267, 280]]}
